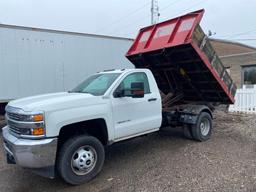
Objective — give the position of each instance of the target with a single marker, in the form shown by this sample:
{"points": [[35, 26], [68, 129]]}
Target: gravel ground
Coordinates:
{"points": [[164, 161], [2, 122]]}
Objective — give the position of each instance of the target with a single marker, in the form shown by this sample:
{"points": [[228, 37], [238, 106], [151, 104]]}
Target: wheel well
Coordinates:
{"points": [[207, 111], [2, 108], [95, 127]]}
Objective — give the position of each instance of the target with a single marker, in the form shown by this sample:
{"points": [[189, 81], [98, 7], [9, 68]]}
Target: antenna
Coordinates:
{"points": [[154, 12]]}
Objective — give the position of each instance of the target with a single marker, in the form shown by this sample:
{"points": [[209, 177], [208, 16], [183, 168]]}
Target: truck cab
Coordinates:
{"points": [[107, 107]]}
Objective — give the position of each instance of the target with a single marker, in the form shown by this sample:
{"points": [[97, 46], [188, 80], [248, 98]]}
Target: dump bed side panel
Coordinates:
{"points": [[170, 33], [183, 61]]}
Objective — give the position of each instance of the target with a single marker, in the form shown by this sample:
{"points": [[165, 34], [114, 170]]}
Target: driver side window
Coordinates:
{"points": [[125, 85]]}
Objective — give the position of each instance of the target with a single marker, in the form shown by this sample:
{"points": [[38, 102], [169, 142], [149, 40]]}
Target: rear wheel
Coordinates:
{"points": [[80, 159], [202, 130]]}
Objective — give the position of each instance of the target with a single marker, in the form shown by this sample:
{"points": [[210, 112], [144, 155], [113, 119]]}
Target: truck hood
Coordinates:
{"points": [[56, 101]]}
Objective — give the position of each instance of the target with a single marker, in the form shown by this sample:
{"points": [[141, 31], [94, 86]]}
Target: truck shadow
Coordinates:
{"points": [[157, 141], [123, 159]]}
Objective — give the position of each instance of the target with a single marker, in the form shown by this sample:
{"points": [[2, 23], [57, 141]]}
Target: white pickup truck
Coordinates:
{"points": [[67, 131], [177, 80]]}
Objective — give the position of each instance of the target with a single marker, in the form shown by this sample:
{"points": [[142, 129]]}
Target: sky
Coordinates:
{"points": [[227, 19]]}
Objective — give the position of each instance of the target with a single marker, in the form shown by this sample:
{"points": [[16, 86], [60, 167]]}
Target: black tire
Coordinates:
{"points": [[69, 150], [187, 131], [198, 133]]}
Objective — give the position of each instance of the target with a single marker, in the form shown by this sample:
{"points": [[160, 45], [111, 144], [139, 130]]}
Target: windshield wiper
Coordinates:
{"points": [[79, 92], [75, 92], [86, 92]]}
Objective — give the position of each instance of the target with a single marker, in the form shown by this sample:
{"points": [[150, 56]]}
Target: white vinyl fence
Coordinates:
{"points": [[245, 100]]}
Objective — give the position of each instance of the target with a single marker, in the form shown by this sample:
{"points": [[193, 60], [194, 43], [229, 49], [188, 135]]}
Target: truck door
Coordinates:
{"points": [[134, 116]]}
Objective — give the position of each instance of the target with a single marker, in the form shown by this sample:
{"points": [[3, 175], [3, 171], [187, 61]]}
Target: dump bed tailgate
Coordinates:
{"points": [[182, 60]]}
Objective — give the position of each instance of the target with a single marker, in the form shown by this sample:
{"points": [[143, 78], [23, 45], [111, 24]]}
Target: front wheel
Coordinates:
{"points": [[202, 130], [80, 159]]}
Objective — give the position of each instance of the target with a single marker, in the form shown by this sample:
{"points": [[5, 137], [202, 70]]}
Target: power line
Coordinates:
{"points": [[170, 4], [123, 18], [142, 18], [200, 2], [192, 6], [139, 20], [132, 23]]}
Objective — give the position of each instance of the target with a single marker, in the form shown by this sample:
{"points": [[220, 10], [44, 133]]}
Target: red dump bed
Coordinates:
{"points": [[182, 60]]}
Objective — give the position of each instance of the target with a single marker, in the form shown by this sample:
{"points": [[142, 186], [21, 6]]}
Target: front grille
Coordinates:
{"points": [[15, 123], [19, 123], [15, 130], [16, 116]]}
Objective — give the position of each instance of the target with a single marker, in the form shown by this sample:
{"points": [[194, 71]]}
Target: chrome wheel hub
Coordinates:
{"points": [[83, 160], [205, 127]]}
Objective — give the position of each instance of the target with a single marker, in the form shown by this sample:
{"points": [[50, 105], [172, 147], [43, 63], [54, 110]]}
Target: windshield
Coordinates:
{"points": [[96, 84]]}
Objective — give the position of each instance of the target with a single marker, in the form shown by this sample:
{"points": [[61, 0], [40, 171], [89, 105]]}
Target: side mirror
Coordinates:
{"points": [[119, 93], [137, 90]]}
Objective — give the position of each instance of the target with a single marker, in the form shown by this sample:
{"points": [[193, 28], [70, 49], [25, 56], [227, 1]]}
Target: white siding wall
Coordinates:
{"points": [[245, 100], [35, 62]]}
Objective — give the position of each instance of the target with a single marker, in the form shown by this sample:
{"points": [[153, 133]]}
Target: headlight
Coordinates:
{"points": [[38, 117], [26, 117], [36, 122], [38, 131], [25, 124]]}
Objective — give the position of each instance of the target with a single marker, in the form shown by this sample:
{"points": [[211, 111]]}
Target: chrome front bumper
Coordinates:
{"points": [[27, 153]]}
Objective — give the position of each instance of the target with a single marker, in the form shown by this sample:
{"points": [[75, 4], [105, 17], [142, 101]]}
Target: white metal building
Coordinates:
{"points": [[35, 61]]}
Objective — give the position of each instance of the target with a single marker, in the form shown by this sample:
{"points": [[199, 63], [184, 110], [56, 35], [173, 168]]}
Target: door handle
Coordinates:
{"points": [[152, 99]]}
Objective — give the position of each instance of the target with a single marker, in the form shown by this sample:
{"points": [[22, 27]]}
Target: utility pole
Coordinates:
{"points": [[154, 11]]}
